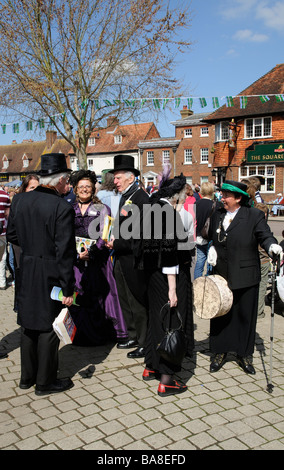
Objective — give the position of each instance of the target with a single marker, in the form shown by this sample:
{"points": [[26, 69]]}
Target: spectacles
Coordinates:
{"points": [[85, 187]]}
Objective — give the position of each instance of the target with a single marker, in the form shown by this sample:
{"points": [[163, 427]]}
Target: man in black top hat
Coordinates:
{"points": [[131, 283], [42, 224]]}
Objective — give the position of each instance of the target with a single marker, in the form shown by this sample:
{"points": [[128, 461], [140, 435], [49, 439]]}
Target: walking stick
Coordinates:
{"points": [[275, 271]]}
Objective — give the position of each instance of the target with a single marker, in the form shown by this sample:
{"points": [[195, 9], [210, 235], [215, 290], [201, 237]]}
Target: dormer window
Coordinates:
{"points": [[5, 162], [25, 161], [91, 141], [118, 139]]}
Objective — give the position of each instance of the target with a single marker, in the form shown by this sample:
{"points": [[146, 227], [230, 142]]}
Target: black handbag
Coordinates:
{"points": [[172, 347]]}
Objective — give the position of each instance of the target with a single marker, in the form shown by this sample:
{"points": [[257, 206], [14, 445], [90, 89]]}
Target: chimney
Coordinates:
{"points": [[51, 137], [186, 112], [112, 121]]}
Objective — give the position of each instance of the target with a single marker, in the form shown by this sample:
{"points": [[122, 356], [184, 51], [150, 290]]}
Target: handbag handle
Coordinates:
{"points": [[169, 317]]}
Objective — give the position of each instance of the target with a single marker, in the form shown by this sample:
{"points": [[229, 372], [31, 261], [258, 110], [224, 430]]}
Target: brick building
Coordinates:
{"points": [[249, 140], [189, 151]]}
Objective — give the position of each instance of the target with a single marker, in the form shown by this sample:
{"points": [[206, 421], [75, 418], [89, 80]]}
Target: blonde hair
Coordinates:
{"points": [[207, 189]]}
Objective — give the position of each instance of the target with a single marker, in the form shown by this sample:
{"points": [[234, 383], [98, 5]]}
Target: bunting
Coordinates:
{"points": [[158, 104]]}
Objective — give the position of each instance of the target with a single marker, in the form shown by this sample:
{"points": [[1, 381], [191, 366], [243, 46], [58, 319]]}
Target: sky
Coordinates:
{"points": [[234, 43]]}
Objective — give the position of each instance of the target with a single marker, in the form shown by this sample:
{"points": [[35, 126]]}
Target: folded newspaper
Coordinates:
{"points": [[64, 326]]}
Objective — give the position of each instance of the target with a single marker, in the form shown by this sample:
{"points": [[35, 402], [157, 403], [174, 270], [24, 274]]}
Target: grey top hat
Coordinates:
{"points": [[52, 163], [125, 163]]}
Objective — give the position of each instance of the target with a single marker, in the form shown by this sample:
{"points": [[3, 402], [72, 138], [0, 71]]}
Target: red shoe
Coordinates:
{"points": [[150, 374], [167, 390]]}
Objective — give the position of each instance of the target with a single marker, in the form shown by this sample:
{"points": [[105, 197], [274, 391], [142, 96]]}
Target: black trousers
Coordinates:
{"points": [[39, 356], [134, 313]]}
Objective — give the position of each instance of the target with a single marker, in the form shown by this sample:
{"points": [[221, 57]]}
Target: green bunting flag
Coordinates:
{"points": [[279, 98], [156, 103], [177, 102], [165, 101], [3, 128], [142, 102], [243, 102], [189, 103], [41, 123], [264, 98], [215, 102], [29, 126], [230, 101], [108, 103], [16, 128], [203, 102]]}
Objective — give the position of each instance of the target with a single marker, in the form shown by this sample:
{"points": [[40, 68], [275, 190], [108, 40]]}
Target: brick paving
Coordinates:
{"points": [[112, 408]]}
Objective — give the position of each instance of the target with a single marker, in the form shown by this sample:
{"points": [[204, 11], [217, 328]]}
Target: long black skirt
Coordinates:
{"points": [[158, 297], [235, 331]]}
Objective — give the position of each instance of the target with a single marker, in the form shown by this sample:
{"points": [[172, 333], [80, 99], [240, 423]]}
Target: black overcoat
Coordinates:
{"points": [[42, 224], [238, 262], [125, 247], [237, 247]]}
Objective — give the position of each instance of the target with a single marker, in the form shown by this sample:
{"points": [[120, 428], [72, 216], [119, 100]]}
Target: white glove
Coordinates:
{"points": [[212, 256], [274, 250]]}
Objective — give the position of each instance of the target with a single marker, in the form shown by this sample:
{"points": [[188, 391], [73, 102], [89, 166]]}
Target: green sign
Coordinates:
{"points": [[266, 153]]}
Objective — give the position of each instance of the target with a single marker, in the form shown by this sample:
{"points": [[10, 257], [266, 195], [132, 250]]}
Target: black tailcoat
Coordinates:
{"points": [[42, 224]]}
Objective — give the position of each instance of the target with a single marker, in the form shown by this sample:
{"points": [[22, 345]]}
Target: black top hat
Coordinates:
{"points": [[125, 163], [52, 163]]}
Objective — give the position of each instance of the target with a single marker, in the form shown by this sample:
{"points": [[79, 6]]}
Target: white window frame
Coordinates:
{"points": [[166, 157], [91, 141], [5, 162], [221, 132], [25, 161], [188, 133], [204, 153], [118, 139], [267, 171], [188, 154], [255, 125], [90, 163], [150, 158], [204, 132]]}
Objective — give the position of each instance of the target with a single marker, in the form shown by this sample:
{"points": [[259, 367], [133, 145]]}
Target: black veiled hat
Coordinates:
{"points": [[169, 187], [76, 176]]}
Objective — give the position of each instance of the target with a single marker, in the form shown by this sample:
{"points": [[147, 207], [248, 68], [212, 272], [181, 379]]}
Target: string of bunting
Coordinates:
{"points": [[158, 104]]}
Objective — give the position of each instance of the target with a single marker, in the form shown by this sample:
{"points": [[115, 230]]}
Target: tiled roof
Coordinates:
{"points": [[131, 135], [194, 119], [33, 150], [271, 83]]}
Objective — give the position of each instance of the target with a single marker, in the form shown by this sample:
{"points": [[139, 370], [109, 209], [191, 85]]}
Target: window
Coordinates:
{"points": [[166, 156], [117, 139], [258, 127], [268, 172], [221, 132], [5, 162], [188, 156], [204, 132], [150, 158], [90, 162], [203, 179], [187, 133], [25, 161], [91, 141], [204, 154]]}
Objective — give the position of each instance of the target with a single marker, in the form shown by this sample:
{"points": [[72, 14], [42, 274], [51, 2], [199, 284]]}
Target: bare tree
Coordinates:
{"points": [[77, 62]]}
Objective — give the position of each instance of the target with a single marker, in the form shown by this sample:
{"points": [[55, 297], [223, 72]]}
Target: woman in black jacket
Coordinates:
{"points": [[166, 259], [236, 231]]}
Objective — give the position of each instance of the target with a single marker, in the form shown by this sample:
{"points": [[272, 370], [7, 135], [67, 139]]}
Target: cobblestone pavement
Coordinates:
{"points": [[112, 408]]}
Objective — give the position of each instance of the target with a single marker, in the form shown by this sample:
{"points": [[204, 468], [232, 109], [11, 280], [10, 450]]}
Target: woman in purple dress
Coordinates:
{"points": [[98, 318]]}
